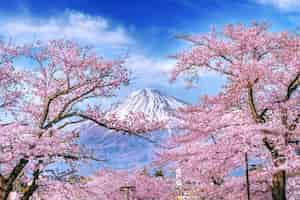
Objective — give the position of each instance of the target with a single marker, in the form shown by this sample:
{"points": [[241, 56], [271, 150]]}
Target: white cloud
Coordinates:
{"points": [[74, 25], [148, 70], [157, 71], [148, 64], [107, 38], [284, 5]]}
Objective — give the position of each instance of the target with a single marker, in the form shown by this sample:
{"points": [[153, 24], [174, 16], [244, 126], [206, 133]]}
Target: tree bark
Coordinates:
{"points": [[2, 187], [32, 187], [247, 177], [279, 185], [7, 184]]}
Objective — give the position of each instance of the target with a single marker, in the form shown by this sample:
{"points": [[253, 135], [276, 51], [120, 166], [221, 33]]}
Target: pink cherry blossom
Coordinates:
{"points": [[43, 107], [256, 112]]}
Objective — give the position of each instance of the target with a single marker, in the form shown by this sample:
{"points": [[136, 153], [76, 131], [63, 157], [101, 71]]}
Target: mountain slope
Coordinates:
{"points": [[125, 151], [151, 102]]}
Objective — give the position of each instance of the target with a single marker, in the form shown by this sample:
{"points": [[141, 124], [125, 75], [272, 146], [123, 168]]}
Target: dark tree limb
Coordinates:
{"points": [[259, 118], [279, 178], [13, 176], [293, 86], [279, 185], [32, 187], [247, 176]]}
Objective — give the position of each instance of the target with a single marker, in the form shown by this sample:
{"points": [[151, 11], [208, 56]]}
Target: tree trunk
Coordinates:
{"points": [[247, 176], [278, 186], [2, 188]]}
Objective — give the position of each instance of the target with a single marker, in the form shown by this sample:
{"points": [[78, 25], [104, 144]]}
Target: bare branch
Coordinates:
{"points": [[33, 186], [14, 175]]}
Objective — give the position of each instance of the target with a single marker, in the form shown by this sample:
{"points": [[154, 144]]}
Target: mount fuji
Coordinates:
{"points": [[128, 152], [151, 102]]}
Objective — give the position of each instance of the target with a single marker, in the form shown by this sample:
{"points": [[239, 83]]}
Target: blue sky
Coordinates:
{"points": [[144, 29]]}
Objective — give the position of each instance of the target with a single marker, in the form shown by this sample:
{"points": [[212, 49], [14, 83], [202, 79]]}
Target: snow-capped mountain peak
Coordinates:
{"points": [[129, 151], [153, 103]]}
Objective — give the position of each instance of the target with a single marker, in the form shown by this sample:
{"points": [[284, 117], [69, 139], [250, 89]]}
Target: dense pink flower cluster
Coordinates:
{"points": [[42, 108], [241, 143], [110, 185], [256, 112]]}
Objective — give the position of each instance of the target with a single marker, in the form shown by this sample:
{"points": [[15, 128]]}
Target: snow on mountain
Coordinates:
{"points": [[125, 151], [153, 103]]}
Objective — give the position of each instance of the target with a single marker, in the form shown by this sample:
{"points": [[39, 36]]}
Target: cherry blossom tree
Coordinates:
{"points": [[112, 185], [58, 87], [8, 82], [254, 116], [9, 77]]}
